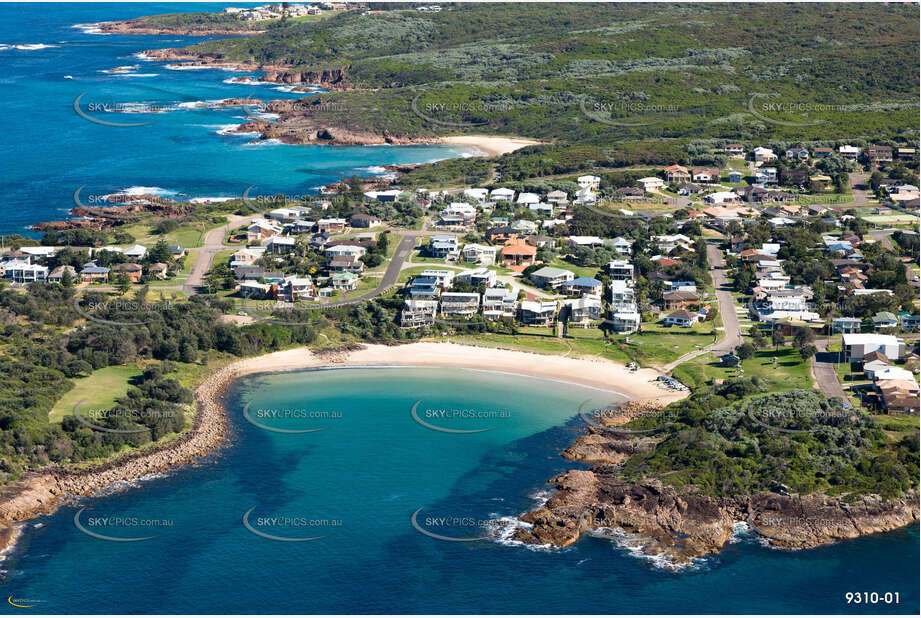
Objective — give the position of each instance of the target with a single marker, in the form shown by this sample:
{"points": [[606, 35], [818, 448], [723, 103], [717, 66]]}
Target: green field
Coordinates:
{"points": [[787, 373], [97, 391]]}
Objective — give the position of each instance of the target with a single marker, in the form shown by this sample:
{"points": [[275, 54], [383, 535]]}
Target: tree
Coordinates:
{"points": [[803, 337], [807, 352], [778, 339], [745, 351], [758, 338], [123, 282], [67, 280]]}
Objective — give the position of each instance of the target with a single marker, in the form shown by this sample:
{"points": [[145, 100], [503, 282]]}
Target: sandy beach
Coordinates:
{"points": [[492, 146], [42, 493]]}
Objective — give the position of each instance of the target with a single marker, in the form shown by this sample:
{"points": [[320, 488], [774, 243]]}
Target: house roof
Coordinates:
{"points": [[584, 282], [875, 355], [680, 314], [550, 271], [680, 296], [519, 250]]}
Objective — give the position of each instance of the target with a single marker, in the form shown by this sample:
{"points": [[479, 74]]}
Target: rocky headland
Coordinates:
{"points": [[680, 526], [142, 25]]}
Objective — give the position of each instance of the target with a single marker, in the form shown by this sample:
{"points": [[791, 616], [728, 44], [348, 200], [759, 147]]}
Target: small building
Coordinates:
{"points": [[679, 300], [134, 271], [584, 311], [582, 285], [519, 254], [362, 220], [460, 303], [537, 312], [858, 345], [499, 303], [845, 325], [680, 318], [345, 281], [550, 277], [735, 177], [418, 313]]}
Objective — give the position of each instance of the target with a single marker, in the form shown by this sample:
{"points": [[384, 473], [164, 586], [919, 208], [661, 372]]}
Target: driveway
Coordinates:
{"points": [[823, 370], [732, 335], [212, 245]]}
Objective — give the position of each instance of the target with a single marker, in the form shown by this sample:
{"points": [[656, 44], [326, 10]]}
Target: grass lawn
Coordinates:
{"points": [[788, 373], [738, 164], [658, 344], [580, 271], [98, 391]]}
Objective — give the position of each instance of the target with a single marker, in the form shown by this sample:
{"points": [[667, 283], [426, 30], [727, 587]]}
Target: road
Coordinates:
{"points": [[391, 275], [732, 335], [823, 369], [212, 244]]}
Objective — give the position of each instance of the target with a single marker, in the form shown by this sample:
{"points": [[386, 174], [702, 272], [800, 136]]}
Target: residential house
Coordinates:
{"points": [[689, 189], [822, 152], [585, 197], [255, 290], [582, 285], [629, 193], [424, 288], [136, 252], [519, 254], [341, 250], [651, 183], [502, 195], [623, 296], [23, 271], [679, 300], [442, 278], [363, 220], [858, 345], [523, 226], [57, 275], [584, 311], [478, 277], [766, 175], [797, 153], [390, 195], [460, 303], [621, 270], [764, 155], [884, 319], [849, 152], [550, 277], [346, 263], [585, 241], [331, 225], [706, 175], [734, 150], [499, 303], [735, 177], [282, 245], [906, 153], [418, 313], [721, 197], [591, 182], [526, 199], [793, 178], [624, 321], [879, 154], [845, 325], [909, 322], [345, 281], [483, 255], [443, 246], [480, 195], [668, 243], [501, 234], [622, 245], [675, 174], [680, 317], [558, 197], [248, 273], [134, 271], [92, 273], [458, 214], [537, 312], [260, 229]]}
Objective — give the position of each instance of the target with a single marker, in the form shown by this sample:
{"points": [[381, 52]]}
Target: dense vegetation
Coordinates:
{"points": [[43, 351], [724, 441], [622, 83]]}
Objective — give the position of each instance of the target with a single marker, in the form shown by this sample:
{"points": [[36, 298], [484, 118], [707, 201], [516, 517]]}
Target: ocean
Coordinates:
{"points": [[48, 151], [356, 484]]}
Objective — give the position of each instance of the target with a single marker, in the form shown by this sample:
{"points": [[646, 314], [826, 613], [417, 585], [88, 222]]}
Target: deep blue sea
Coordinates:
{"points": [[356, 484], [47, 151]]}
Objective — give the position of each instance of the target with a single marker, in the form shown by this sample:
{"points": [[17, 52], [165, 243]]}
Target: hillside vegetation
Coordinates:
{"points": [[611, 84]]}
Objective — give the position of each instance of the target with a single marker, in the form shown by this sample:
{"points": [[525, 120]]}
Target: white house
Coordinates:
{"points": [[849, 152], [592, 182], [858, 345], [763, 154], [526, 199], [622, 245], [484, 255], [479, 195], [651, 183], [502, 195]]}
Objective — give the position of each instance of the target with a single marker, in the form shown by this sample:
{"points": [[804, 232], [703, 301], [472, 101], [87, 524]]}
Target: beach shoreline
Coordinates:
{"points": [[490, 145], [41, 493]]}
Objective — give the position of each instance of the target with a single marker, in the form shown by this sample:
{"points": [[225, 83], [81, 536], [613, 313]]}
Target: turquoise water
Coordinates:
{"points": [[357, 482], [47, 151]]}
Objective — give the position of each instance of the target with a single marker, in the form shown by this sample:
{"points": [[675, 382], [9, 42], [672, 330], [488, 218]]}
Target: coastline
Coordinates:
{"points": [[42, 493], [492, 146]]}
